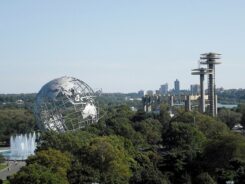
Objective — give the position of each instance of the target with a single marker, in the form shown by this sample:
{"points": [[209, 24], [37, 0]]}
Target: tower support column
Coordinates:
{"points": [[202, 94]]}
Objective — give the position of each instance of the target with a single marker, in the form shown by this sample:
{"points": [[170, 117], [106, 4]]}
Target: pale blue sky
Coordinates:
{"points": [[119, 45]]}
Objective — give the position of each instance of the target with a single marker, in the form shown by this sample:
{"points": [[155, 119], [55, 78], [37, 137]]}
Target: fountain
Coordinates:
{"points": [[22, 146]]}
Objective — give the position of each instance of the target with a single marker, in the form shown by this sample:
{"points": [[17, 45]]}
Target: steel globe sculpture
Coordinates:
{"points": [[66, 104]]}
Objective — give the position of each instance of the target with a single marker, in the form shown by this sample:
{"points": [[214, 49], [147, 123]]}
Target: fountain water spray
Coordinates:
{"points": [[22, 146]]}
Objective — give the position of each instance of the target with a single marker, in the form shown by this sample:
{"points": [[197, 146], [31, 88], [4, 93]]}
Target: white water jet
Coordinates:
{"points": [[22, 146]]}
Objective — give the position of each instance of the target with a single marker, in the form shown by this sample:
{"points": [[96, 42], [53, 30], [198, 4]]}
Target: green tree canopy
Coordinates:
{"points": [[183, 142], [151, 129], [56, 161], [36, 174], [108, 160], [204, 178], [231, 118], [15, 121], [210, 127], [219, 152], [241, 109]]}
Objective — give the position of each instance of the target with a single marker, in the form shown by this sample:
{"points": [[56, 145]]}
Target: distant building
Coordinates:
{"points": [[157, 92], [237, 128], [141, 93], [150, 92], [220, 90], [195, 89], [133, 109], [164, 89], [147, 103], [176, 86], [19, 102]]}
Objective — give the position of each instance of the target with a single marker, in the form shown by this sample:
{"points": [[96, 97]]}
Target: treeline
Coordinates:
{"points": [[232, 96], [15, 100], [15, 121], [18, 118], [138, 148], [16, 115], [105, 99], [233, 116], [112, 99], [14, 97]]}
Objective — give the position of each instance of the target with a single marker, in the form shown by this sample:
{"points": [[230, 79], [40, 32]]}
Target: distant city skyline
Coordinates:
{"points": [[119, 46], [165, 88]]}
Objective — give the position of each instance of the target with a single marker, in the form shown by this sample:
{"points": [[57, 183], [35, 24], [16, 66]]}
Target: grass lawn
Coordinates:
{"points": [[5, 182], [2, 166]]}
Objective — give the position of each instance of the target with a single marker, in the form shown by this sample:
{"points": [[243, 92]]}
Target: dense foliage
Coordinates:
{"points": [[131, 147], [17, 100], [128, 147], [15, 121], [232, 96]]}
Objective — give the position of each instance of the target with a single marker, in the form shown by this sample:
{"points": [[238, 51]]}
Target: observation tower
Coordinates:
{"points": [[210, 59], [201, 72]]}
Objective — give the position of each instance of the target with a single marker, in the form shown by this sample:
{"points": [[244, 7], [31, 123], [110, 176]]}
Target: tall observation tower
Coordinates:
{"points": [[209, 59], [201, 72]]}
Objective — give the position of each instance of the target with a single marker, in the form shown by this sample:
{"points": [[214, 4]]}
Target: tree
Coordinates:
{"points": [[15, 121], [139, 148], [241, 109], [82, 173], [183, 143], [204, 178], [210, 127], [164, 116], [151, 129], [184, 136], [59, 163], [185, 117], [144, 172], [122, 126], [229, 117], [106, 160], [111, 160], [234, 171], [69, 141], [36, 174], [238, 166], [219, 152], [140, 116], [47, 166]]}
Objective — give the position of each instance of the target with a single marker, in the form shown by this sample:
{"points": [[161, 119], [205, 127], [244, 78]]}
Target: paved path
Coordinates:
{"points": [[13, 167], [4, 149]]}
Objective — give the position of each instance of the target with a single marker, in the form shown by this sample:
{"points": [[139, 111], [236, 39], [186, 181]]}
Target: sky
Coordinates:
{"points": [[119, 45]]}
